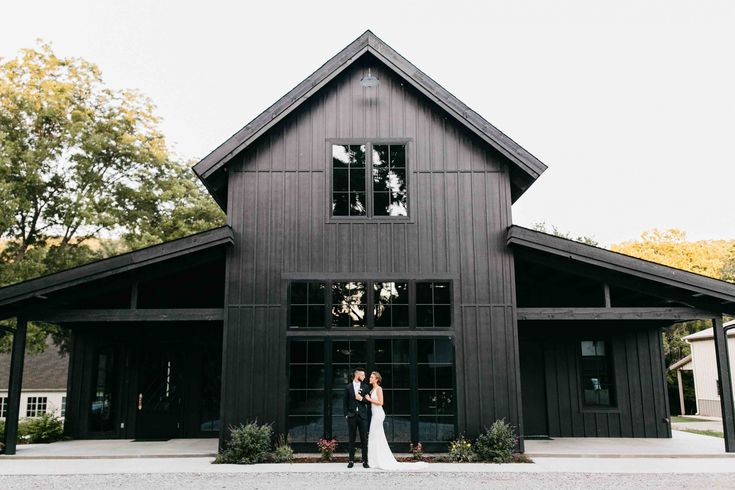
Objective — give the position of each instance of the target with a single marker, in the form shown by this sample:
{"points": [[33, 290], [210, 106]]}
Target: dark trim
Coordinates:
{"points": [[627, 313], [696, 284], [15, 384], [142, 315], [116, 265], [726, 388], [531, 168]]}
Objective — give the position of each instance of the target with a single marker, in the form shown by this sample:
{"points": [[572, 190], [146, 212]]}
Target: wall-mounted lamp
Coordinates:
{"points": [[369, 80]]}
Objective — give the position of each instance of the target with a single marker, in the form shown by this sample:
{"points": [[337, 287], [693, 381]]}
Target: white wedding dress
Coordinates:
{"points": [[379, 453]]}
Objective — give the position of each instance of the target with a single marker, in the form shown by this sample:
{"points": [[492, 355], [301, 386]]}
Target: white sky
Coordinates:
{"points": [[630, 104]]}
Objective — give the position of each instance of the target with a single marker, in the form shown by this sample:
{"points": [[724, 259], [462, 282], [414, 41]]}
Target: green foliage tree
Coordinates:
{"points": [[543, 228], [79, 160]]}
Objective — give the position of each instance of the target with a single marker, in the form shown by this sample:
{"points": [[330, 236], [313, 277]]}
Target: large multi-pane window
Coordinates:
{"points": [[346, 356], [433, 304], [418, 387], [307, 303], [36, 405], [348, 180], [369, 180], [598, 381], [391, 304], [357, 304], [435, 387], [306, 390], [392, 361], [389, 180], [349, 304]]}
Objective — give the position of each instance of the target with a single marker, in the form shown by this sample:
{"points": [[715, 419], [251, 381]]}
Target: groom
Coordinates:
{"points": [[357, 410]]}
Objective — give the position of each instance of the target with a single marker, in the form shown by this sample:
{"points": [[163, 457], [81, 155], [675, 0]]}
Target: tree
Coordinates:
{"points": [[670, 247], [541, 226], [79, 160]]}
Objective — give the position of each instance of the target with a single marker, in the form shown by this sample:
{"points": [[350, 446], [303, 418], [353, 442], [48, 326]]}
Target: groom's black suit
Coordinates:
{"points": [[357, 413]]}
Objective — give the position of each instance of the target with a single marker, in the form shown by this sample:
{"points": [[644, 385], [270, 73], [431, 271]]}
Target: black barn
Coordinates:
{"points": [[369, 223]]}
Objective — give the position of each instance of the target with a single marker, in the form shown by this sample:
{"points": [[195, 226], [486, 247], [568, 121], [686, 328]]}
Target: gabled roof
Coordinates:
{"points": [[44, 371], [525, 169], [117, 264], [719, 296]]}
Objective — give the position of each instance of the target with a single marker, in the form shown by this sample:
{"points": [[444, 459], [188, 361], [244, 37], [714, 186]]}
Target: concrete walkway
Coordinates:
{"points": [[117, 448], [681, 445]]}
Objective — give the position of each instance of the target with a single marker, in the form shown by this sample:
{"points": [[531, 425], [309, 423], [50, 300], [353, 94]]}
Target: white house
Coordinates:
{"points": [[704, 365], [44, 383]]}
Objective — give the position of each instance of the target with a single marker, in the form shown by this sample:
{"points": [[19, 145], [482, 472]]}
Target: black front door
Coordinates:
{"points": [[160, 395], [533, 388]]}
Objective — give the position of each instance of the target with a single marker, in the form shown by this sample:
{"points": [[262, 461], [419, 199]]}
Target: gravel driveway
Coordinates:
{"points": [[381, 481]]}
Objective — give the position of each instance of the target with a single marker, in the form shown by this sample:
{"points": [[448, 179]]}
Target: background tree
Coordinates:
{"points": [[79, 160], [553, 230]]}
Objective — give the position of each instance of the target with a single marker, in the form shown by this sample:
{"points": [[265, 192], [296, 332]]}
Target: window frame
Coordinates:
{"points": [[610, 362], [369, 215], [369, 282]]}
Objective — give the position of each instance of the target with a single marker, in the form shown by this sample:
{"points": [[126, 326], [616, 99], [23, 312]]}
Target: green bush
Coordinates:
{"points": [[283, 452], [497, 443], [46, 428], [460, 450], [248, 444]]}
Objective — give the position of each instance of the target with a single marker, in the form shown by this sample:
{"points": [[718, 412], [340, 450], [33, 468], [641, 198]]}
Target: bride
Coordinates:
{"points": [[378, 450]]}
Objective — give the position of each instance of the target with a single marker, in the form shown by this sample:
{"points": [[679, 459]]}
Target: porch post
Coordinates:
{"points": [[723, 373], [14, 385], [681, 391]]}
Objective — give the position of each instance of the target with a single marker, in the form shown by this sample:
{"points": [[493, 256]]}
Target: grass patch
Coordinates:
{"points": [[686, 419], [712, 433]]}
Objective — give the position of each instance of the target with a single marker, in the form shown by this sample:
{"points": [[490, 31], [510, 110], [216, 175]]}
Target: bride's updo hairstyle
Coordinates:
{"points": [[378, 377]]}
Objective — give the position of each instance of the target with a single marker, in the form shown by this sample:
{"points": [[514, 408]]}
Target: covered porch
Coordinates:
{"points": [[590, 345], [144, 337]]}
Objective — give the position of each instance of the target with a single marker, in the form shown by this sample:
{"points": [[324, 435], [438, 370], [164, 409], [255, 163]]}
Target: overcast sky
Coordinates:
{"points": [[631, 106]]}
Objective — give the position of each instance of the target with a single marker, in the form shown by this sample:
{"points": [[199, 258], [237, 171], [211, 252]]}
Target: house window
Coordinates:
{"points": [[372, 304], [598, 384], [369, 180], [389, 180], [433, 304], [36, 406], [348, 180], [348, 304], [306, 390], [3, 407], [391, 304], [63, 406], [306, 300]]}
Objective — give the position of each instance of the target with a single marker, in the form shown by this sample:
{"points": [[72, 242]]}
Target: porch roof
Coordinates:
{"points": [[12, 296], [666, 282]]}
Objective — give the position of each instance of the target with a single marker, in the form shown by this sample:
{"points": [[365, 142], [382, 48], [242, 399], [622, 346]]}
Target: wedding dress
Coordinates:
{"points": [[379, 453]]}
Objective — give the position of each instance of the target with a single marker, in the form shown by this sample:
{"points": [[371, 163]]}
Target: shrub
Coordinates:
{"points": [[46, 428], [327, 448], [283, 452], [248, 444], [497, 443], [417, 451], [460, 450]]}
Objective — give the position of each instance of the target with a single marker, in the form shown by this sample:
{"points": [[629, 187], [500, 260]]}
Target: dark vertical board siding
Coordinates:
{"points": [[459, 207], [639, 376]]}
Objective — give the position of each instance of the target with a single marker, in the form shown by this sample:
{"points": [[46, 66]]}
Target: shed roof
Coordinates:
{"points": [[698, 290], [46, 370], [525, 168], [684, 364], [707, 333], [101, 269]]}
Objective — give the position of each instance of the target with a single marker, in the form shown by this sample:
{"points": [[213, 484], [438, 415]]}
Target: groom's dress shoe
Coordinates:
{"points": [[365, 465], [350, 464]]}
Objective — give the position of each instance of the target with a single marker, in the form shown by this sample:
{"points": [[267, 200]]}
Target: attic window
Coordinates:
{"points": [[369, 180]]}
